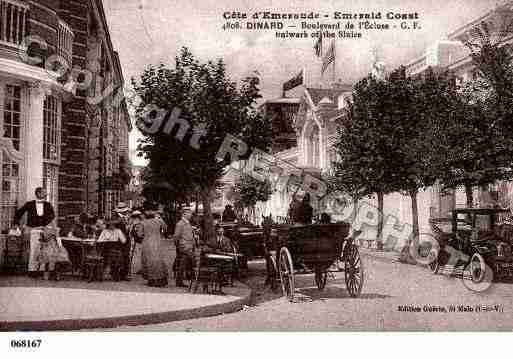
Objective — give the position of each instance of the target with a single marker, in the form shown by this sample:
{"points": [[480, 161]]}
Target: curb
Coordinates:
{"points": [[131, 320]]}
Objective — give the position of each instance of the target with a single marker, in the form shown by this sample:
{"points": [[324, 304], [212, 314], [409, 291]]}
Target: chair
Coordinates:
{"points": [[93, 262], [112, 253], [212, 272], [14, 254]]}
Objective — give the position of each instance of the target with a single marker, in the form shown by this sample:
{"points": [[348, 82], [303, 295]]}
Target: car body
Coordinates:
{"points": [[472, 237]]}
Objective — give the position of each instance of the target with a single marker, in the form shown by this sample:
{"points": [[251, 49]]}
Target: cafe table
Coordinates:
{"points": [[77, 249]]}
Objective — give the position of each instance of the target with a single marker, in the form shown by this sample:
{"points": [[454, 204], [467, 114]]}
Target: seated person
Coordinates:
{"points": [[220, 243], [77, 229], [111, 238], [229, 214], [304, 213]]}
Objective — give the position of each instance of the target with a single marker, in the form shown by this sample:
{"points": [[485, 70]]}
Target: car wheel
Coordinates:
{"points": [[477, 268]]}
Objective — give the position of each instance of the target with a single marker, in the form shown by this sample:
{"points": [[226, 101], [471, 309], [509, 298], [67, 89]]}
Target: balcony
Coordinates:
{"points": [[13, 22], [65, 42]]}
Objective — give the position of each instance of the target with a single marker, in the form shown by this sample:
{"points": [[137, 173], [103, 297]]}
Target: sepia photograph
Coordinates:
{"points": [[255, 166]]}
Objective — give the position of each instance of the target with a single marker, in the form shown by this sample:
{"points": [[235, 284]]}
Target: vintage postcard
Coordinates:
{"points": [[256, 166]]}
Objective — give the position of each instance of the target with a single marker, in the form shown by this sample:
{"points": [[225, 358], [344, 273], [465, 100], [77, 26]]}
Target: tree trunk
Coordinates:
{"points": [[209, 231], [379, 236], [406, 255], [415, 214], [469, 191]]}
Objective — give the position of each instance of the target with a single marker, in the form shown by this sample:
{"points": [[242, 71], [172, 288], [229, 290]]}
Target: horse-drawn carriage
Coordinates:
{"points": [[318, 249]]}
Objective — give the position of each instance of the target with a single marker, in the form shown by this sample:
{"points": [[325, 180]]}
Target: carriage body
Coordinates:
{"points": [[315, 246], [315, 249]]}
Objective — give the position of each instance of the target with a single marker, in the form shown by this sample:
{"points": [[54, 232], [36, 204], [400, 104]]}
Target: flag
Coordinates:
{"points": [[329, 57], [294, 82], [318, 45]]}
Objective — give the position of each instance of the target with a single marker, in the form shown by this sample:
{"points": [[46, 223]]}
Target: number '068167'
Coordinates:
{"points": [[25, 343]]}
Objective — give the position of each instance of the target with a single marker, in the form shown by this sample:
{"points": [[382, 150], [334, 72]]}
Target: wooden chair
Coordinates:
{"points": [[14, 254], [93, 262]]}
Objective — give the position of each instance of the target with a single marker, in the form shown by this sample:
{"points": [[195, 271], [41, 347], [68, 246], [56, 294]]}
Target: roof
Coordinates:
{"points": [[291, 100], [505, 8], [318, 94]]}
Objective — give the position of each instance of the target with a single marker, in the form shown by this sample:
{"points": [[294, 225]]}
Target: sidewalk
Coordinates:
{"points": [[37, 305]]}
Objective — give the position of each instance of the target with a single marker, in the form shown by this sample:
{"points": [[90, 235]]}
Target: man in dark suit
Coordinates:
{"points": [[40, 214]]}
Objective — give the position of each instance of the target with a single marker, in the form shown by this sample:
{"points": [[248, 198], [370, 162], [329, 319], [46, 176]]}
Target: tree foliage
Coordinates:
{"points": [[249, 191], [209, 100]]}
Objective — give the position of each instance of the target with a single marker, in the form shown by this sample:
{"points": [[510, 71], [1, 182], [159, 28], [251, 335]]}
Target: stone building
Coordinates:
{"points": [[96, 123], [48, 124]]}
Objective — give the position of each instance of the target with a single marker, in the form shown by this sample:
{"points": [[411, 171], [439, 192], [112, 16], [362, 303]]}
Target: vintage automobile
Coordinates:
{"points": [[472, 238]]}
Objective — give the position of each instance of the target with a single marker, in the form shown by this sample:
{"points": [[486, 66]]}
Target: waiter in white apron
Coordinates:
{"points": [[40, 214]]}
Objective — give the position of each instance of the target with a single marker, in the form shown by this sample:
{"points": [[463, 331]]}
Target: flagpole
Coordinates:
{"points": [[334, 61]]}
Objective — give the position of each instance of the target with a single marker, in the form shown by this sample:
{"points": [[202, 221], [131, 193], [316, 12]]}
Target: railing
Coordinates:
{"points": [[13, 22], [65, 42]]}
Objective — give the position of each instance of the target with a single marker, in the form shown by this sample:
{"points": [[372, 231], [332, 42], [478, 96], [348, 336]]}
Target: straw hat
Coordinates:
{"points": [[122, 208]]}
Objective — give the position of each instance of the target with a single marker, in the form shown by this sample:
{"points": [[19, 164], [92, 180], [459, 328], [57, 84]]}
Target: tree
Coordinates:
{"points": [[209, 101], [249, 191], [481, 139], [366, 143]]}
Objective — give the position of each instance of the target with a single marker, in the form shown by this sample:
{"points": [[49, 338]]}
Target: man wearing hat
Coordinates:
{"points": [[121, 217], [185, 245]]}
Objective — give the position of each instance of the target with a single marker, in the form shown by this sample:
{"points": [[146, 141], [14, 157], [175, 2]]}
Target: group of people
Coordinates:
{"points": [[139, 236]]}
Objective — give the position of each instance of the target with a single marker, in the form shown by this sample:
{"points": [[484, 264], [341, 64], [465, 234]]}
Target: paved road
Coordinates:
{"points": [[388, 285]]}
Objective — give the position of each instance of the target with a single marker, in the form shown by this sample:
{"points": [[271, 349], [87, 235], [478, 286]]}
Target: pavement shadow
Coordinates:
{"points": [[314, 294]]}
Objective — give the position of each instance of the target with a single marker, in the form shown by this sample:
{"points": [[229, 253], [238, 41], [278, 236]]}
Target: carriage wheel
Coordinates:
{"points": [[273, 275], [320, 278], [434, 265], [287, 274], [354, 275]]}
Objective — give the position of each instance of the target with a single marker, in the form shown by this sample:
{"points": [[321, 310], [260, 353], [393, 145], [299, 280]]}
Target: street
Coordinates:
{"points": [[388, 285]]}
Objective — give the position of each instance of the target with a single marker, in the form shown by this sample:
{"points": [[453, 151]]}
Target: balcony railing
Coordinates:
{"points": [[13, 22], [65, 42]]}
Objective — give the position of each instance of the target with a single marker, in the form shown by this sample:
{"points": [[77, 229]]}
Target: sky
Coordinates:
{"points": [[148, 32]]}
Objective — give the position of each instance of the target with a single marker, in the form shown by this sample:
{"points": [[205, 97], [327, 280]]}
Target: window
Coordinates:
{"points": [[50, 182], [12, 114], [9, 190], [51, 129]]}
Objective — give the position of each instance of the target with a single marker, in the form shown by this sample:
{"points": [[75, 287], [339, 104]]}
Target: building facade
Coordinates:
{"points": [[32, 96], [452, 54], [96, 122], [48, 124]]}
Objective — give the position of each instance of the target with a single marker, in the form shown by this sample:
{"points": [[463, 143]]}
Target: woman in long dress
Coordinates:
{"points": [[151, 230], [135, 221]]}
